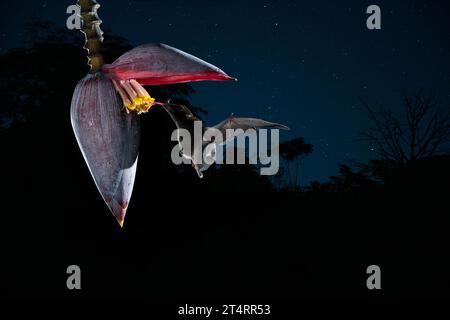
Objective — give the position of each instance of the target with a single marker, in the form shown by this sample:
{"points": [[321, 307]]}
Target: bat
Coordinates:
{"points": [[225, 132]]}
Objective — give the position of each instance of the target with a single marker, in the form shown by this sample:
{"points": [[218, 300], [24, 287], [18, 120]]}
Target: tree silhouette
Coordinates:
{"points": [[349, 180], [292, 151], [421, 131]]}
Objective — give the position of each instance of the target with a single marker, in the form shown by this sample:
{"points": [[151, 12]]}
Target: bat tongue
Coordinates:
{"points": [[108, 139]]}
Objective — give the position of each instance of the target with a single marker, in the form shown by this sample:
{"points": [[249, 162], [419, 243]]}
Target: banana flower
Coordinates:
{"points": [[106, 104]]}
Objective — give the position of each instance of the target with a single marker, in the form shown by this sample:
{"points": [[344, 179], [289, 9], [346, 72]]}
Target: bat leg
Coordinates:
{"points": [[197, 169]]}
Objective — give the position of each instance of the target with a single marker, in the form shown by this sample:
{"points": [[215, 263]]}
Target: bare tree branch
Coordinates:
{"points": [[423, 131]]}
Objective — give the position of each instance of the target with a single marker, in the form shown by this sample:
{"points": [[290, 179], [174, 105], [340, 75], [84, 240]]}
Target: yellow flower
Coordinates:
{"points": [[134, 96]]}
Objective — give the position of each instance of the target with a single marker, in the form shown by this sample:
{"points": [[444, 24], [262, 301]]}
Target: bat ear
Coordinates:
{"points": [[159, 64]]}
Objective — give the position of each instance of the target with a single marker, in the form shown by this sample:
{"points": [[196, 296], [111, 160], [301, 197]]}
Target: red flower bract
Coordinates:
{"points": [[158, 64], [108, 139]]}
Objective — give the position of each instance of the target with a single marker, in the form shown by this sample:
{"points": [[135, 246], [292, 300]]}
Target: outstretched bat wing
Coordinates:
{"points": [[181, 116], [185, 119], [229, 127]]}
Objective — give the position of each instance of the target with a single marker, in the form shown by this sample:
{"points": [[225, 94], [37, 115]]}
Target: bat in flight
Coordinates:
{"points": [[225, 131]]}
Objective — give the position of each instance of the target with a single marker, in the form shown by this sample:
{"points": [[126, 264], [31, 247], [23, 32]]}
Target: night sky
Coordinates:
{"points": [[300, 63]]}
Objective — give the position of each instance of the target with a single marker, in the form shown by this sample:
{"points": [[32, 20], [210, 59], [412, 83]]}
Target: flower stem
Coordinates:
{"points": [[93, 33]]}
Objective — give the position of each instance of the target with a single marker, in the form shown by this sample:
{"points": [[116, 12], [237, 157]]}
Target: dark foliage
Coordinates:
{"points": [[292, 151]]}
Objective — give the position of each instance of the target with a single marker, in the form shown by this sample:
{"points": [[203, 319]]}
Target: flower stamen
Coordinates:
{"points": [[134, 96]]}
